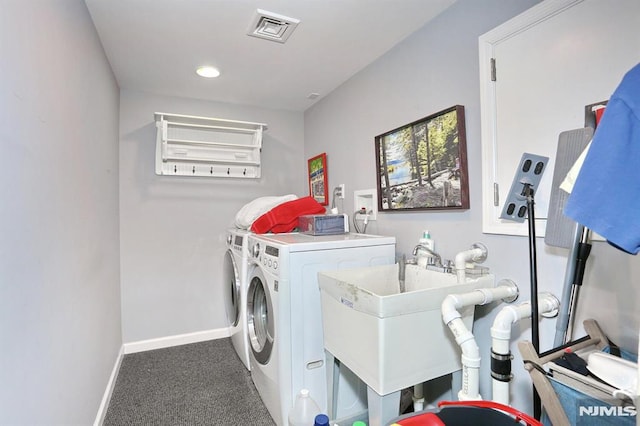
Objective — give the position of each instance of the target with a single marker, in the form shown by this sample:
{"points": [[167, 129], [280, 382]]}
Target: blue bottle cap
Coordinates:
{"points": [[321, 420]]}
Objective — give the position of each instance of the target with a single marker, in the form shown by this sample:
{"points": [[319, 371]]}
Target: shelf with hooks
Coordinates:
{"points": [[213, 147]]}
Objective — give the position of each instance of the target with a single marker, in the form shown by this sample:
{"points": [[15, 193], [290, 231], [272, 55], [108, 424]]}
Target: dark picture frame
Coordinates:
{"points": [[423, 165], [318, 179]]}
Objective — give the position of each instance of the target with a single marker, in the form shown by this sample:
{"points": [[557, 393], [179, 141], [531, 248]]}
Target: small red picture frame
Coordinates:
{"points": [[318, 185]]}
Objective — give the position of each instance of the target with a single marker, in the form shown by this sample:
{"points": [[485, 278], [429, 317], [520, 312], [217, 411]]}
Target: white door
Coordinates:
{"points": [[550, 62]]}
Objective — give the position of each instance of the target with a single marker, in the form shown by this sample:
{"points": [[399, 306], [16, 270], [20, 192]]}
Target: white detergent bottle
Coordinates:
{"points": [[304, 410]]}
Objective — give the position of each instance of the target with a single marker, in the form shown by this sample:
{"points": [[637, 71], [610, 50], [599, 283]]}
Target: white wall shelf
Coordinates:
{"points": [[213, 147]]}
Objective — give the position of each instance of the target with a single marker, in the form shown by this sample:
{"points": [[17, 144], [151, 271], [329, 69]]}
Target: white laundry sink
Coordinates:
{"points": [[392, 340]]}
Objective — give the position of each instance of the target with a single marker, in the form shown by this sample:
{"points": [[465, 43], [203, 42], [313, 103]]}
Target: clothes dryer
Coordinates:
{"points": [[284, 313], [235, 283]]}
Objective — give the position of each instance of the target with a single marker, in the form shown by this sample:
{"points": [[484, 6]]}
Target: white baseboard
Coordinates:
{"points": [[179, 339], [104, 404]]}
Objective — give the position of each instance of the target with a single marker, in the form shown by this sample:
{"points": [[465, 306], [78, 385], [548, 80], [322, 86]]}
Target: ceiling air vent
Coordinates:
{"points": [[271, 26]]}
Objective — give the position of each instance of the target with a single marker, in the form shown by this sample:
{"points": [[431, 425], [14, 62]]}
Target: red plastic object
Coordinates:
{"points": [[284, 217], [518, 415], [425, 419], [465, 413], [599, 112]]}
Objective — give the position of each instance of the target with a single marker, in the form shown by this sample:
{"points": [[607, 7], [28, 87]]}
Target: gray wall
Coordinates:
{"points": [[433, 69], [60, 324], [172, 229]]}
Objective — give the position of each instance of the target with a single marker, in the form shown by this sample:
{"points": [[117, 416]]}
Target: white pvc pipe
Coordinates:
{"points": [[470, 361], [470, 352], [501, 334], [480, 296], [478, 253], [418, 397]]}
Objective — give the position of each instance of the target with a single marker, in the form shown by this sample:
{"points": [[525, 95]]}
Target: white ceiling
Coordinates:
{"points": [[155, 45]]}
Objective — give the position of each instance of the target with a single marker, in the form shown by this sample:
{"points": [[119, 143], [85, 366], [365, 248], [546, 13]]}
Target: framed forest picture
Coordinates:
{"points": [[423, 165]]}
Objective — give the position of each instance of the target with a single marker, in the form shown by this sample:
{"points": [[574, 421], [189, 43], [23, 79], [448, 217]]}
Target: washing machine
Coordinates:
{"points": [[284, 313], [235, 269]]}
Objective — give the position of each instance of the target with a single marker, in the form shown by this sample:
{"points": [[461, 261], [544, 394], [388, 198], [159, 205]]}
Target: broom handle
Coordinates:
{"points": [[535, 333]]}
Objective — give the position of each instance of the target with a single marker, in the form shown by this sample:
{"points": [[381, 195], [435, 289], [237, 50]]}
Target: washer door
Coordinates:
{"points": [[260, 320], [231, 289]]}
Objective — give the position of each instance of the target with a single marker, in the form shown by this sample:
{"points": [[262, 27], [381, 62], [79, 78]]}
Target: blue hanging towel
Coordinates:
{"points": [[606, 194]]}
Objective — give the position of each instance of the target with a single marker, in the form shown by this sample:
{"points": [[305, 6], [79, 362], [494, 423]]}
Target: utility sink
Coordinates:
{"points": [[392, 340]]}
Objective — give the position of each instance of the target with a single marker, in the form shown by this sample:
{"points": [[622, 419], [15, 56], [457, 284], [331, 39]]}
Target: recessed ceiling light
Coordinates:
{"points": [[207, 72]]}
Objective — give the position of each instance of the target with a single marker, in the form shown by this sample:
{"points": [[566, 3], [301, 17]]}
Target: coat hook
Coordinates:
{"points": [[229, 170], [244, 172], [175, 169], [194, 169], [211, 171]]}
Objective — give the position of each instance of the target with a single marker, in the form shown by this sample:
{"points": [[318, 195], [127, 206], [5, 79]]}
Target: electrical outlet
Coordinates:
{"points": [[342, 193], [366, 198]]}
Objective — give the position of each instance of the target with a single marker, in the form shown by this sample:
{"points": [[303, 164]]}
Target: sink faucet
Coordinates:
{"points": [[423, 248]]}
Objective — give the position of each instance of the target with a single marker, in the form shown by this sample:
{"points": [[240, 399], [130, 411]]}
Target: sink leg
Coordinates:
{"points": [[456, 384], [333, 379], [382, 408]]}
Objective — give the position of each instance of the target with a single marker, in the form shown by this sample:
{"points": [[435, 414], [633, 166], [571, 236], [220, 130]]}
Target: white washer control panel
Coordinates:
{"points": [[267, 256]]}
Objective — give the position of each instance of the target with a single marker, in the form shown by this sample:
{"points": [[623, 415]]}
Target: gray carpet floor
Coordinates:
{"points": [[197, 384]]}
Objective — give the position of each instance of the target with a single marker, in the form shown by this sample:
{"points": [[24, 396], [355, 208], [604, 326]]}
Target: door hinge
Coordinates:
{"points": [[493, 69], [496, 195]]}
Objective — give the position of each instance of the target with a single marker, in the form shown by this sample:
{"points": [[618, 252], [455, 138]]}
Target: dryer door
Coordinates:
{"points": [[260, 319], [231, 289]]}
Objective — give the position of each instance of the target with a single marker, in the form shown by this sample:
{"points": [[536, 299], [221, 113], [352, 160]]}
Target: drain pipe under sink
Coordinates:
{"points": [[501, 357], [506, 290]]}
